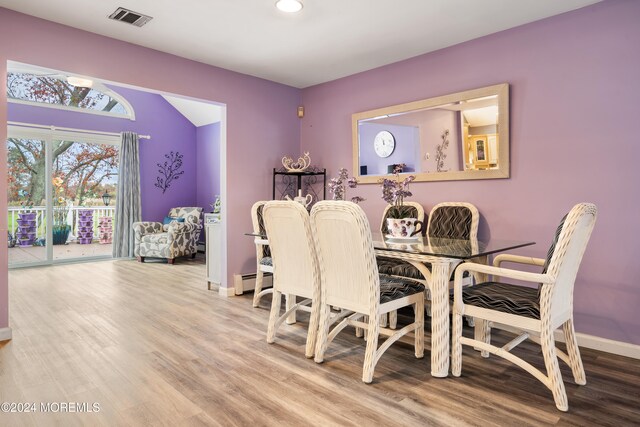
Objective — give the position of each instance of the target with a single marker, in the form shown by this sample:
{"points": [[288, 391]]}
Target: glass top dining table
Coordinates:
{"points": [[443, 247], [442, 256]]}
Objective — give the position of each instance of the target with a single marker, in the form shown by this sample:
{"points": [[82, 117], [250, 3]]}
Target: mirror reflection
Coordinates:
{"points": [[457, 136]]}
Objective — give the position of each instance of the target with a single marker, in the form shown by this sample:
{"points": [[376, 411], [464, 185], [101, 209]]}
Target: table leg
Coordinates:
{"points": [[440, 319]]}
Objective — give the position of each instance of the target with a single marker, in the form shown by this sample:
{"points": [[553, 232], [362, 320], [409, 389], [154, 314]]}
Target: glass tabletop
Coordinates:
{"points": [[447, 248], [437, 246]]}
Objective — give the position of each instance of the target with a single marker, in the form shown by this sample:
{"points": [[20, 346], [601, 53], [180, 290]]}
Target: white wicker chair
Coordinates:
{"points": [[350, 281], [536, 312], [263, 254], [296, 271], [453, 220]]}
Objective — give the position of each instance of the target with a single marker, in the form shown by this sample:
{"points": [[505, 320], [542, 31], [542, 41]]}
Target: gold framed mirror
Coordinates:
{"points": [[459, 136]]}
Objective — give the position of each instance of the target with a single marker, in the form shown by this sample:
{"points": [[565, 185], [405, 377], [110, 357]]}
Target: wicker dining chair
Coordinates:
{"points": [[263, 254], [452, 220], [535, 312], [296, 271], [349, 280], [389, 265]]}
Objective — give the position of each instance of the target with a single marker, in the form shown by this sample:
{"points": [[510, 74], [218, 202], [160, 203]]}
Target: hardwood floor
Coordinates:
{"points": [[152, 346]]}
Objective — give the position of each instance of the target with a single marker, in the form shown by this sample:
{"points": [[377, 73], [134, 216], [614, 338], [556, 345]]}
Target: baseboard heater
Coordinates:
{"points": [[247, 282]]}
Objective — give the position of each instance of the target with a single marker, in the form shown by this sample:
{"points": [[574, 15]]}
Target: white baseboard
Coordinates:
{"points": [[603, 344], [247, 282], [5, 334]]}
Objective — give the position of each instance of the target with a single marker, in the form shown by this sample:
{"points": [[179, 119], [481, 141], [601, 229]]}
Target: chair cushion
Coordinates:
{"points": [[396, 267], [266, 261], [504, 297], [393, 288], [156, 239]]}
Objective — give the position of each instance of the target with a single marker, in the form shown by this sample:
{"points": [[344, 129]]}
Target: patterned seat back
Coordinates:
{"points": [[454, 221], [408, 210], [257, 220]]}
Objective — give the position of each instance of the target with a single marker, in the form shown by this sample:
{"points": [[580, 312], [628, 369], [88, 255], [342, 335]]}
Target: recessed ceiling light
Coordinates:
{"points": [[79, 81], [289, 6]]}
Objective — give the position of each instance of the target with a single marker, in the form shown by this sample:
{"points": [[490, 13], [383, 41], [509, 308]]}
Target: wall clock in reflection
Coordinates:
{"points": [[384, 143]]}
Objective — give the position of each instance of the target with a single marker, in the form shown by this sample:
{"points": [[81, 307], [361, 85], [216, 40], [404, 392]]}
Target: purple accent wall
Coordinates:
{"points": [[169, 131], [261, 121], [207, 165], [574, 91], [407, 147]]}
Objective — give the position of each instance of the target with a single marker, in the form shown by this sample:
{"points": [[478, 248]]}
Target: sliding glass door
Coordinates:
{"points": [[62, 195], [26, 201]]}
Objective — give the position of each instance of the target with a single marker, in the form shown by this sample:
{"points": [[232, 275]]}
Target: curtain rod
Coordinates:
{"points": [[32, 125]]}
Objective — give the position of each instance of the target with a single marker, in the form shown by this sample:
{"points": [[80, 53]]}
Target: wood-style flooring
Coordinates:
{"points": [[152, 346]]}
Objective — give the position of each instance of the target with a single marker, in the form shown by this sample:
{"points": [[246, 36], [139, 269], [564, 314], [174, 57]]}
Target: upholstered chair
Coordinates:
{"points": [[296, 271], [177, 238], [535, 312], [350, 281], [264, 262]]}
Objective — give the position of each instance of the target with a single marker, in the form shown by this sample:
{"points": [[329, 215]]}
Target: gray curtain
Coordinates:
{"points": [[128, 206]]}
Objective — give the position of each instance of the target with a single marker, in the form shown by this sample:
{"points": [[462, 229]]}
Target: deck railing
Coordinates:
{"points": [[72, 218]]}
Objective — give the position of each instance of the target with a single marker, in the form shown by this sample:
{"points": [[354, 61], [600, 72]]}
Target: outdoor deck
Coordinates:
{"points": [[18, 255]]}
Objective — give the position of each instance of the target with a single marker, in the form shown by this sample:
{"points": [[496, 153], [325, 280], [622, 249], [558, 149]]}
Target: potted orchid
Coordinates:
{"points": [[400, 220], [338, 186]]}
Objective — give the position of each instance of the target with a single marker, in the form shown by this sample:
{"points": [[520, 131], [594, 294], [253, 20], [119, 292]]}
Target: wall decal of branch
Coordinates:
{"points": [[440, 151], [169, 171]]}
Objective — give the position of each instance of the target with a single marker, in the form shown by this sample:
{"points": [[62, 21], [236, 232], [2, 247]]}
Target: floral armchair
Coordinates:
{"points": [[176, 239]]}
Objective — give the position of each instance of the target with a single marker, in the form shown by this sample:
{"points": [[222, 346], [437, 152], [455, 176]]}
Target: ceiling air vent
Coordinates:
{"points": [[130, 17]]}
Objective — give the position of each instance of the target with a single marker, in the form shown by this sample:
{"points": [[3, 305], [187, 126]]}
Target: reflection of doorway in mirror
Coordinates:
{"points": [[480, 150]]}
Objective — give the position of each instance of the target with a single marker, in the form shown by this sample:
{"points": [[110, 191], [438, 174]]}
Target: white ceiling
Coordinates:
{"points": [[329, 39]]}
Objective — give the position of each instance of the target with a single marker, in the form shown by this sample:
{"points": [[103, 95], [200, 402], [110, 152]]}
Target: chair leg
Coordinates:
{"points": [[273, 316], [290, 302], [393, 319], [482, 332], [140, 259], [193, 255], [323, 332], [258, 288], [171, 261], [574, 353], [553, 369], [456, 345], [419, 332], [312, 334], [370, 353], [383, 320]]}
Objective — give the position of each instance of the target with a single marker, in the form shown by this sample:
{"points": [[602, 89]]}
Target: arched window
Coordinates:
{"points": [[55, 91]]}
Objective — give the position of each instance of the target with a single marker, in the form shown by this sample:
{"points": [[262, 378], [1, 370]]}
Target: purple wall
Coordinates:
{"points": [[169, 131], [574, 91], [407, 147], [207, 165], [261, 116]]}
